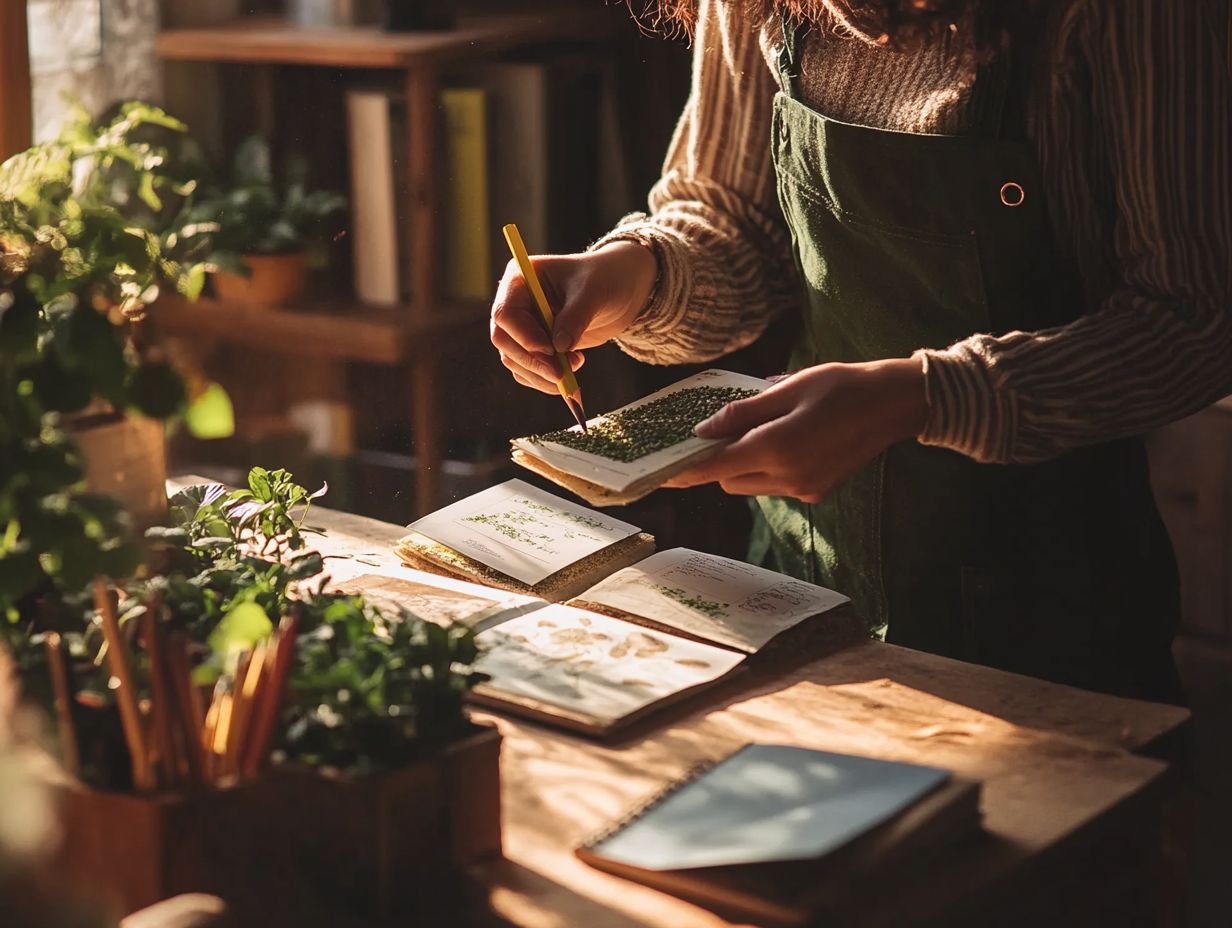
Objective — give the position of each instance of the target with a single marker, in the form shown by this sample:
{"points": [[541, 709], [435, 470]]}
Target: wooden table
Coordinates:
{"points": [[1071, 813]]}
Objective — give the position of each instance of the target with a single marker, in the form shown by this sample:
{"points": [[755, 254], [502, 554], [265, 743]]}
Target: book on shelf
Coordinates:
{"points": [[466, 207], [632, 451], [519, 142], [637, 630], [372, 140], [546, 121], [782, 835]]}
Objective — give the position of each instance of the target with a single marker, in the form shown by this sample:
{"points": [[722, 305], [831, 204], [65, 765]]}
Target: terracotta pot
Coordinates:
{"points": [[126, 457], [276, 280]]}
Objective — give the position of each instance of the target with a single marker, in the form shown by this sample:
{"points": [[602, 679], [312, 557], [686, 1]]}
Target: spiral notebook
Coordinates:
{"points": [[781, 834]]}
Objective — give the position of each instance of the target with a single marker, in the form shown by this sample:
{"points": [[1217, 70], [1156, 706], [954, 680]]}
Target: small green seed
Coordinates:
{"points": [[634, 433]]}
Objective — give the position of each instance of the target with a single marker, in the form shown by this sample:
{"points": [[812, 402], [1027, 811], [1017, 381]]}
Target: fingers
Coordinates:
{"points": [[752, 485], [517, 331], [758, 484], [542, 366], [514, 313], [741, 416], [739, 458], [529, 378]]}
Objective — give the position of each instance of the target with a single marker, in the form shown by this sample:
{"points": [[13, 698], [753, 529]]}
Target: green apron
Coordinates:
{"points": [[1061, 570]]}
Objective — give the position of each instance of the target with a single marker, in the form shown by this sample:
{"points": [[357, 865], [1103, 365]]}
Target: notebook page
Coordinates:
{"points": [[522, 531], [620, 475], [593, 665], [716, 598]]}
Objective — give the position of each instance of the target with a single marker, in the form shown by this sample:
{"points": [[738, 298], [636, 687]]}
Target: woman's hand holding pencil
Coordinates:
{"points": [[596, 296]]}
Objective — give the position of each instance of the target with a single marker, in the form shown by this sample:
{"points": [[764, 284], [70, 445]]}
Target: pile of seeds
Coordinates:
{"points": [[634, 433]]}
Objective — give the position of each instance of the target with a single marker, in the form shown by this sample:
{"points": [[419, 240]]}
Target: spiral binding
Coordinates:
{"points": [[654, 799]]}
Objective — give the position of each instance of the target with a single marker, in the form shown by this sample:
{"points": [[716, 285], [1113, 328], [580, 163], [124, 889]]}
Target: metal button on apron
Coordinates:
{"points": [[1012, 193]]}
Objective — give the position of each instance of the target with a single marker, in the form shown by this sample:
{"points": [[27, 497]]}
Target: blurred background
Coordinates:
{"points": [[367, 364], [374, 163]]}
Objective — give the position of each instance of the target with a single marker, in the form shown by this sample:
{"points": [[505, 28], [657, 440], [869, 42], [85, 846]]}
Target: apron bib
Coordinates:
{"points": [[1061, 570]]}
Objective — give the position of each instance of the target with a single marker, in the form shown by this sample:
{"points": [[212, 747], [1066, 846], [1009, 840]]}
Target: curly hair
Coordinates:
{"points": [[892, 22]]}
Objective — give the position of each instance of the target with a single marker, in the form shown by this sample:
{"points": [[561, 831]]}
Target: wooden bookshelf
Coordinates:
{"points": [[16, 118], [339, 332], [273, 41], [420, 332]]}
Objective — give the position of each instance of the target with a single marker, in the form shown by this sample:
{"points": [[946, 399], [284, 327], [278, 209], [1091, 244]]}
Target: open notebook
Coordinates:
{"points": [[780, 834], [637, 636], [633, 450], [517, 537]]}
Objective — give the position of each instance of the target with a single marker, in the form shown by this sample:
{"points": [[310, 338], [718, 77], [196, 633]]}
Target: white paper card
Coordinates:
{"points": [[593, 665], [522, 531], [725, 601], [619, 475]]}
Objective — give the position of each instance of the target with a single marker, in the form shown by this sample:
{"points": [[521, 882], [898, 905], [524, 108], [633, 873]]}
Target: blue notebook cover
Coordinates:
{"points": [[765, 803]]}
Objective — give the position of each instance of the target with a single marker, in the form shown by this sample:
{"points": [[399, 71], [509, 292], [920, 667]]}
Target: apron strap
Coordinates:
{"points": [[789, 55]]}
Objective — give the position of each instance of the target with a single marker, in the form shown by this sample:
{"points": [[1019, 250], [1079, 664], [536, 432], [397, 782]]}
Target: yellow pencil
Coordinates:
{"points": [[567, 385]]}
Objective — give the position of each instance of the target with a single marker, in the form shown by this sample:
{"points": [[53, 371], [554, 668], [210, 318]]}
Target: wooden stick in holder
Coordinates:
{"points": [[268, 706], [67, 731], [161, 696], [126, 692], [190, 712]]}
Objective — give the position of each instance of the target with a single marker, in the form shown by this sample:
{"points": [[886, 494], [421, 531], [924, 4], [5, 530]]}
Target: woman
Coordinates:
{"points": [[1009, 236]]}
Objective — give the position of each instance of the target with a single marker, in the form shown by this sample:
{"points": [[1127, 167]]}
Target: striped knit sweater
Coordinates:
{"points": [[1133, 128]]}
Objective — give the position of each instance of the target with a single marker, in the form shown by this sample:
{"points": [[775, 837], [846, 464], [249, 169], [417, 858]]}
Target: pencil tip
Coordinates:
{"points": [[579, 412]]}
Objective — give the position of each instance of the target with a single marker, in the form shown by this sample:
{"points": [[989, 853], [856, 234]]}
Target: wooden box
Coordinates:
{"points": [[297, 843], [130, 850], [396, 842]]}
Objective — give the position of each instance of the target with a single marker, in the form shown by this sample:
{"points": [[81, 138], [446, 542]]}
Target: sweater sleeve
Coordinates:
{"points": [[1158, 346], [725, 266]]}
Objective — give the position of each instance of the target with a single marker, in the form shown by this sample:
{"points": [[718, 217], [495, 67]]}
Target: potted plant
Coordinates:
{"points": [[347, 773], [268, 227], [76, 278]]}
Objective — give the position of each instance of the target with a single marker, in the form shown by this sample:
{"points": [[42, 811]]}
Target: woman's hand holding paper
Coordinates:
{"points": [[806, 434]]}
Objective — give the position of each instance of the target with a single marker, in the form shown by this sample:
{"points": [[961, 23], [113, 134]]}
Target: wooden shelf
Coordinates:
{"points": [[343, 332], [426, 331], [274, 41]]}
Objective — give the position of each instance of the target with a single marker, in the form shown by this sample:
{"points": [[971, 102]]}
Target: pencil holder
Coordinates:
{"points": [[131, 850], [396, 842]]}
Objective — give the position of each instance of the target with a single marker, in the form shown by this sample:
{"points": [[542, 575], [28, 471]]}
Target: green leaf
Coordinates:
{"points": [[240, 629], [192, 281], [159, 535], [59, 390], [259, 483], [210, 415], [306, 565], [19, 571], [252, 162], [147, 192], [19, 328], [88, 344], [156, 390], [185, 504]]}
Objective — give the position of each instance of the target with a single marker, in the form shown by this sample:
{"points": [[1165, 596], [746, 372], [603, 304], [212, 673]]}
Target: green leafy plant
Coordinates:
{"points": [[260, 213], [368, 689], [76, 276]]}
